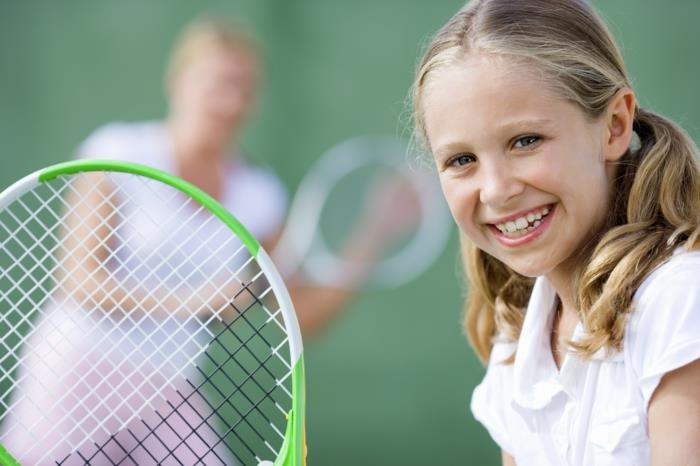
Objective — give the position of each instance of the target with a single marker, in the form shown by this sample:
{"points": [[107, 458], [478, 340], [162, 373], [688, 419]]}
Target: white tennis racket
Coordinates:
{"points": [[330, 201], [140, 332]]}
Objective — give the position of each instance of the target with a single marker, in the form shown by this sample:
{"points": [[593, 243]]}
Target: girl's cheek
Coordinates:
{"points": [[451, 192], [461, 202]]}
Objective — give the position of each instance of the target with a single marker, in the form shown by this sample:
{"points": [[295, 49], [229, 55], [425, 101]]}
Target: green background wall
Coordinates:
{"points": [[390, 383]]}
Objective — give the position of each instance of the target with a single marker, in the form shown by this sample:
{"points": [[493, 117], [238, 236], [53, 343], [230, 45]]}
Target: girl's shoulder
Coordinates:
{"points": [[668, 295], [663, 332], [682, 269]]}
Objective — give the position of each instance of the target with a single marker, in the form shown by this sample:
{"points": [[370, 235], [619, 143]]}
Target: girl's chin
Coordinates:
{"points": [[526, 268]]}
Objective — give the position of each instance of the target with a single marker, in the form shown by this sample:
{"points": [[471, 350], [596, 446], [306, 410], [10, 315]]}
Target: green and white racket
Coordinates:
{"points": [[141, 324]]}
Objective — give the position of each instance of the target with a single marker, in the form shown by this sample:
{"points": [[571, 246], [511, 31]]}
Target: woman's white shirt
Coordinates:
{"points": [[591, 412], [254, 195]]}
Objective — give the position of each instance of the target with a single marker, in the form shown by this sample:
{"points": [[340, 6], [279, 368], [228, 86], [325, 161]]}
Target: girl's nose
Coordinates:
{"points": [[500, 184]]}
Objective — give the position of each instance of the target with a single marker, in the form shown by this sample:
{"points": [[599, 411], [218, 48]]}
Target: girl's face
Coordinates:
{"points": [[524, 172]]}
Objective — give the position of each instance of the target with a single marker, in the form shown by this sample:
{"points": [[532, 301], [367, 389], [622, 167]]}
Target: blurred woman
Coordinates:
{"points": [[212, 85]]}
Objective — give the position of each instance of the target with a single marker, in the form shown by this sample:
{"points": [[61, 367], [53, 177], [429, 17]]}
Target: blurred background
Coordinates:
{"points": [[390, 382]]}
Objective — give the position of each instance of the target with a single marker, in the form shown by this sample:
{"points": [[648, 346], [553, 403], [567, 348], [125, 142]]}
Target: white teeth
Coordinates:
{"points": [[523, 225]]}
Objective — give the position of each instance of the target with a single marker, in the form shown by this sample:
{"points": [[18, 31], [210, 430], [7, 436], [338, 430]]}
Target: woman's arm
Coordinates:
{"points": [[318, 305], [389, 211], [674, 418], [87, 240], [507, 459]]}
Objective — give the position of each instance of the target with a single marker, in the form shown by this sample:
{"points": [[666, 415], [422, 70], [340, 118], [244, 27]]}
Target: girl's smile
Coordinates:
{"points": [[524, 227]]}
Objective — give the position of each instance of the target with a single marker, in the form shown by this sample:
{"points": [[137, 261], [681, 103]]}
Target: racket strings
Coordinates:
{"points": [[107, 200], [135, 388], [8, 273], [34, 252], [154, 253], [239, 387], [127, 375], [207, 379], [214, 410], [15, 295], [159, 452]]}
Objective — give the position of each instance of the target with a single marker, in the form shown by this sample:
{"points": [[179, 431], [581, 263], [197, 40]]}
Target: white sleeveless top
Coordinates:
{"points": [[254, 195]]}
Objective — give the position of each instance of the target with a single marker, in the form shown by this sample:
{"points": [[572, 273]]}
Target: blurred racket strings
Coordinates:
{"points": [[363, 188]]}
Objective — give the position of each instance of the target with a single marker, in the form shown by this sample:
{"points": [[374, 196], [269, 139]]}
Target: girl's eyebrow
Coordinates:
{"points": [[446, 150], [525, 124], [514, 126]]}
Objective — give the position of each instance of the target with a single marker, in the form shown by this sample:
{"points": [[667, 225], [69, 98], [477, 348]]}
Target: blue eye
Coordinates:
{"points": [[462, 160], [526, 141]]}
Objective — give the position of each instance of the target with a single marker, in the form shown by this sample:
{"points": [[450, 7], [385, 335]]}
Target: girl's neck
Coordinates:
{"points": [[566, 296], [565, 314], [562, 280]]}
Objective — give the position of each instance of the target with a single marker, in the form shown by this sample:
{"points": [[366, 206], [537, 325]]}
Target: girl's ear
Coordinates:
{"points": [[618, 124]]}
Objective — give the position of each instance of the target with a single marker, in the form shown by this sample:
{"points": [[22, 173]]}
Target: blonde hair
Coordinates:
{"points": [[205, 35], [655, 204]]}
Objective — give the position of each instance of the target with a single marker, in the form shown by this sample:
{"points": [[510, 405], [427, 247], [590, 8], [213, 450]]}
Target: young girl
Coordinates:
{"points": [[580, 217]]}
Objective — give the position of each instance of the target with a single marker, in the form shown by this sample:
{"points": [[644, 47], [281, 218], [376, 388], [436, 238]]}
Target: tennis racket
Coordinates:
{"points": [[332, 199], [141, 324]]}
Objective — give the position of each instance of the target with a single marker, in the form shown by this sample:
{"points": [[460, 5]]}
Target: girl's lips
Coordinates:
{"points": [[529, 236]]}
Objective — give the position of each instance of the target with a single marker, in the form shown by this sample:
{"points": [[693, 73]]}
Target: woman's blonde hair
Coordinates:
{"points": [[204, 35], [655, 204]]}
